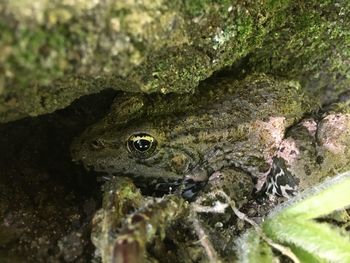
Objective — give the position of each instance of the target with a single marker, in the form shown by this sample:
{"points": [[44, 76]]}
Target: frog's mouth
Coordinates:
{"points": [[187, 187]]}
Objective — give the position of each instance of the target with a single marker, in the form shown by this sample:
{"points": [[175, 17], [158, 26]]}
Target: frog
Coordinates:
{"points": [[180, 142]]}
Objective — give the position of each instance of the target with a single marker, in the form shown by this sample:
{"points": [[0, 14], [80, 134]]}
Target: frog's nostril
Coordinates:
{"points": [[97, 144]]}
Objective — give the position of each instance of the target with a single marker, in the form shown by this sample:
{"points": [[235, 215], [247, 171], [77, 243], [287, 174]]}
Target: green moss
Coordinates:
{"points": [[199, 7], [311, 45], [36, 55], [170, 70]]}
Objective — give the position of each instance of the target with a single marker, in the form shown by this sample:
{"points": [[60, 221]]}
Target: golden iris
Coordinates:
{"points": [[141, 145]]}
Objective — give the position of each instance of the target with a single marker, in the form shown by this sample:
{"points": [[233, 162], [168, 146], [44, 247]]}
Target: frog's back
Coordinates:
{"points": [[216, 107]]}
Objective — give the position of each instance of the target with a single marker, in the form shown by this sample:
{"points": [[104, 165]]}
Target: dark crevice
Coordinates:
{"points": [[44, 196]]}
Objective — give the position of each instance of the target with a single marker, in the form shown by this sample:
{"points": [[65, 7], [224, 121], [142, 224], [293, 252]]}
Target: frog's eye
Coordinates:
{"points": [[141, 145]]}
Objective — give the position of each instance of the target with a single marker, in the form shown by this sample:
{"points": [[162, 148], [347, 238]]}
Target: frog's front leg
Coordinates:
{"points": [[311, 151], [294, 161], [280, 180]]}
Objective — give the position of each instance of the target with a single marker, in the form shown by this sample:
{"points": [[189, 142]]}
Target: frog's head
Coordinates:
{"points": [[147, 149]]}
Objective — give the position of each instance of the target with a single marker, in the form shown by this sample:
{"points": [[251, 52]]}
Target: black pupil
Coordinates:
{"points": [[142, 145]]}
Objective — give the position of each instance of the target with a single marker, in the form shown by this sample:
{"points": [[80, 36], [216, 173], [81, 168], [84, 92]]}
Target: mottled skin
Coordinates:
{"points": [[197, 135], [312, 150]]}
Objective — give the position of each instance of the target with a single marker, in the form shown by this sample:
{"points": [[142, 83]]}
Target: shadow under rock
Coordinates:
{"points": [[46, 202]]}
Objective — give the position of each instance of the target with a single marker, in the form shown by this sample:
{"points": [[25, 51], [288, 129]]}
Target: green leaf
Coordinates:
{"points": [[305, 256], [330, 196], [318, 239], [253, 249], [292, 225]]}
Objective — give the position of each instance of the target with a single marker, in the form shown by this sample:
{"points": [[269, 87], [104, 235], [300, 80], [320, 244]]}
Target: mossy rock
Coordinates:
{"points": [[54, 52]]}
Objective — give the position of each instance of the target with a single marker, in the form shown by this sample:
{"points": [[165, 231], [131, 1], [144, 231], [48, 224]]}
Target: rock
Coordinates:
{"points": [[54, 52]]}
